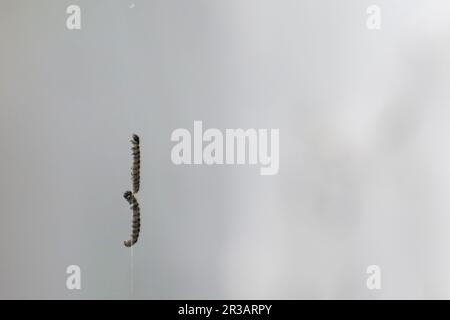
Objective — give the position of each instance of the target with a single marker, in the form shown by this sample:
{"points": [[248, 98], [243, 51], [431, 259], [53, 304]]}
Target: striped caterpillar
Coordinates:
{"points": [[128, 195], [136, 167]]}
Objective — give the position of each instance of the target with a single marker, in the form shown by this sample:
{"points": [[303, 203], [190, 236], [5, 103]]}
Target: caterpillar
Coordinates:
{"points": [[136, 223], [136, 167], [129, 196]]}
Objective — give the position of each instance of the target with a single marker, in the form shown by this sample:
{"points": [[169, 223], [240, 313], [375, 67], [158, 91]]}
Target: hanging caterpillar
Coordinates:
{"points": [[136, 167], [130, 196], [136, 224]]}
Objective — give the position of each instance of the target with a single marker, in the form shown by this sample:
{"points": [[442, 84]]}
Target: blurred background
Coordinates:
{"points": [[364, 149]]}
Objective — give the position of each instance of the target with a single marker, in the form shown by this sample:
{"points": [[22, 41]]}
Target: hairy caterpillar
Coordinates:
{"points": [[136, 167], [129, 196], [136, 224]]}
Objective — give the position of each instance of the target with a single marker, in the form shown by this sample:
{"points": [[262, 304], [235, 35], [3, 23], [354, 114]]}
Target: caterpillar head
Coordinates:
{"points": [[127, 195], [127, 243], [135, 138]]}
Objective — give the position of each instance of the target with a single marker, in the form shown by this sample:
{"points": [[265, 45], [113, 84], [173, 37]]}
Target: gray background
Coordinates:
{"points": [[364, 149]]}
